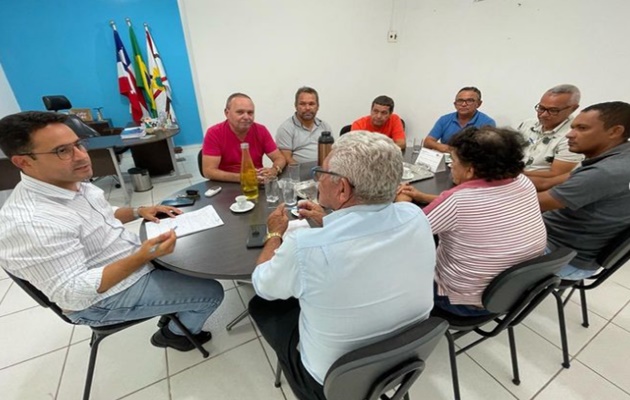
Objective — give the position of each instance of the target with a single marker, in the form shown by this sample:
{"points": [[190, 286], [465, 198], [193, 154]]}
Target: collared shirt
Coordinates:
{"points": [[546, 146], [221, 141], [302, 142], [61, 240], [597, 206], [448, 125], [367, 272], [484, 229], [392, 128]]}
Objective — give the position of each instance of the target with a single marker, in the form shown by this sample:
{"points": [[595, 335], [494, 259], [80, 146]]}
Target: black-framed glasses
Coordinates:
{"points": [[551, 111], [64, 152], [461, 102], [317, 172]]}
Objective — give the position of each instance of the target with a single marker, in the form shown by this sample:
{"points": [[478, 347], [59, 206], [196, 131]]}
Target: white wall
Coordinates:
{"points": [[8, 103], [512, 50]]}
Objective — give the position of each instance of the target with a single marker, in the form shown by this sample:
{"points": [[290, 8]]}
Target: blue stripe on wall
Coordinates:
{"points": [[67, 47]]}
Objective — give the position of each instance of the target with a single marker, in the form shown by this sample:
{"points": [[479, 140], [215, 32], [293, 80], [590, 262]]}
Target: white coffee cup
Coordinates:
{"points": [[241, 201]]}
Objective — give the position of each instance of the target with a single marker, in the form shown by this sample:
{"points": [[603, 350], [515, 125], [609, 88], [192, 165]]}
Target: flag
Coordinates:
{"points": [[160, 87], [142, 73], [127, 82]]}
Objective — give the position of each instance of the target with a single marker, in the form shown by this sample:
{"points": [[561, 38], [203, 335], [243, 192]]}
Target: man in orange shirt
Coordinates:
{"points": [[383, 120]]}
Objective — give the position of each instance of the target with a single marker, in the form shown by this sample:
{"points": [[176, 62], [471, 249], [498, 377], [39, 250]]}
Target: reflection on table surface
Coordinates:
{"points": [[220, 252]]}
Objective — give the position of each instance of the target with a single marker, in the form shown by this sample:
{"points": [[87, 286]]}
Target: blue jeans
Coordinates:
{"points": [[571, 273], [463, 310], [159, 292]]}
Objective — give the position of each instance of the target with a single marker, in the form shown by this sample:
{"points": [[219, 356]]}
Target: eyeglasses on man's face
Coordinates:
{"points": [[461, 102], [551, 111], [318, 172], [64, 152]]}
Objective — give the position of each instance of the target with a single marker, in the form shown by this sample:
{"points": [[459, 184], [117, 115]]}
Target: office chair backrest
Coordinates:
{"points": [[616, 252], [200, 162], [524, 281], [370, 371], [345, 130], [38, 296], [56, 103], [80, 128]]}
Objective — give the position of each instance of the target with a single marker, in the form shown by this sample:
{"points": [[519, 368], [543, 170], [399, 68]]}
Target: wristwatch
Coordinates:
{"points": [[136, 212], [272, 235]]}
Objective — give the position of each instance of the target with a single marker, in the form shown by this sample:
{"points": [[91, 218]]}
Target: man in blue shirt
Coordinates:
{"points": [[467, 101], [366, 272]]}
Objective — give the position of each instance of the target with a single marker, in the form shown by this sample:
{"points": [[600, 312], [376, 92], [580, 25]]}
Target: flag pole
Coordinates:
{"points": [[112, 24], [128, 20]]}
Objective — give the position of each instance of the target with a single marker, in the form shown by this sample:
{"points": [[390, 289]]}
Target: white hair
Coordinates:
{"points": [[566, 88], [372, 163]]}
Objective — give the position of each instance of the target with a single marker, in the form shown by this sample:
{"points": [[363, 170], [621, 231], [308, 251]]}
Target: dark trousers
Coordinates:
{"points": [[278, 323]]}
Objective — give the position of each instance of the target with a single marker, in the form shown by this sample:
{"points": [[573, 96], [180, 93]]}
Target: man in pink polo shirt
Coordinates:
{"points": [[222, 143]]}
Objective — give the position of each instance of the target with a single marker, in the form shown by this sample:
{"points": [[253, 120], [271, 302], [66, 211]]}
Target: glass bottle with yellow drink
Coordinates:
{"points": [[249, 181]]}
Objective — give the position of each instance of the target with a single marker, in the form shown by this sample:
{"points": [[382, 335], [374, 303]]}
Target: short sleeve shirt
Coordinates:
{"points": [[221, 141], [597, 200], [302, 142], [393, 128], [448, 125], [546, 146]]}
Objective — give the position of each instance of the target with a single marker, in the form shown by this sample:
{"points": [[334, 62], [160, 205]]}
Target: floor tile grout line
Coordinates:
{"points": [[141, 389], [31, 358], [65, 360], [7, 292], [211, 357], [484, 370], [19, 311]]}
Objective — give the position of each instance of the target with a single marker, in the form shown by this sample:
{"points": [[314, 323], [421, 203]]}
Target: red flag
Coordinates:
{"points": [[127, 82]]}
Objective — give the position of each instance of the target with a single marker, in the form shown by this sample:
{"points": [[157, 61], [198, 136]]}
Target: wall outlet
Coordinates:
{"points": [[392, 36]]}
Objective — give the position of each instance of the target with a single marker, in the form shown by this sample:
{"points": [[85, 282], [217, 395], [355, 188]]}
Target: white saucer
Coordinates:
{"points": [[248, 206], [407, 177]]}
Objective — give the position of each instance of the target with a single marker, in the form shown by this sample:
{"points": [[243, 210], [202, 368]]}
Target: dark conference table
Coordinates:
{"points": [[220, 253]]}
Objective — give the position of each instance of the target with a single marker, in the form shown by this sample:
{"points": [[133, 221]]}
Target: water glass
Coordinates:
{"points": [[293, 172], [288, 192], [272, 190]]}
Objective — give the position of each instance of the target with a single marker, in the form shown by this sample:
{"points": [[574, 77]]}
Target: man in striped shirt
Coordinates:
{"points": [[487, 223], [59, 233]]}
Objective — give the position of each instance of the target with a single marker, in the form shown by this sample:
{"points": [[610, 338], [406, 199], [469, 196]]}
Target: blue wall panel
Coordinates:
{"points": [[67, 47]]}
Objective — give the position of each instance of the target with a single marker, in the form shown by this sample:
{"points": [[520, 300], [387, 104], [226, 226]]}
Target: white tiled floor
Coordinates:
{"points": [[42, 357]]}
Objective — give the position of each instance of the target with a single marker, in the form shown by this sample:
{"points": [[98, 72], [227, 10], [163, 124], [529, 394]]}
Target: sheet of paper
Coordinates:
{"points": [[186, 223], [431, 160]]}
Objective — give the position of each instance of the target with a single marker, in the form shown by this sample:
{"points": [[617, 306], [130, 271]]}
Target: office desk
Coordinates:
{"points": [[220, 252], [100, 152], [105, 163]]}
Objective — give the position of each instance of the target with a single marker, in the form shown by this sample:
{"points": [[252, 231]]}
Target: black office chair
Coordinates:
{"points": [[510, 297], [393, 363], [101, 332], [611, 258], [345, 130], [56, 103], [200, 162]]}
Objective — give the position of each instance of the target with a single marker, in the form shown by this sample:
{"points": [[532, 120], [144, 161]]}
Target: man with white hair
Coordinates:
{"points": [[366, 272], [548, 152]]}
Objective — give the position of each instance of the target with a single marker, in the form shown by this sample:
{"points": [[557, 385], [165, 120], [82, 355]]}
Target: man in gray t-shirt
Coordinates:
{"points": [[297, 136], [587, 208]]}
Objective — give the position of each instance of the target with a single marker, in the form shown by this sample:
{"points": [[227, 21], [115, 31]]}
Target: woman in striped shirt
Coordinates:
{"points": [[487, 223]]}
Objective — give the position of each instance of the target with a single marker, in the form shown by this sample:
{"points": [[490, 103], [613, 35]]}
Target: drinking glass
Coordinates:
{"points": [[288, 192], [272, 190], [293, 172]]}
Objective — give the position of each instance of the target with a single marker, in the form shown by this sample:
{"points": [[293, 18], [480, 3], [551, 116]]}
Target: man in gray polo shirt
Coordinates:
{"points": [[297, 136], [588, 207]]}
